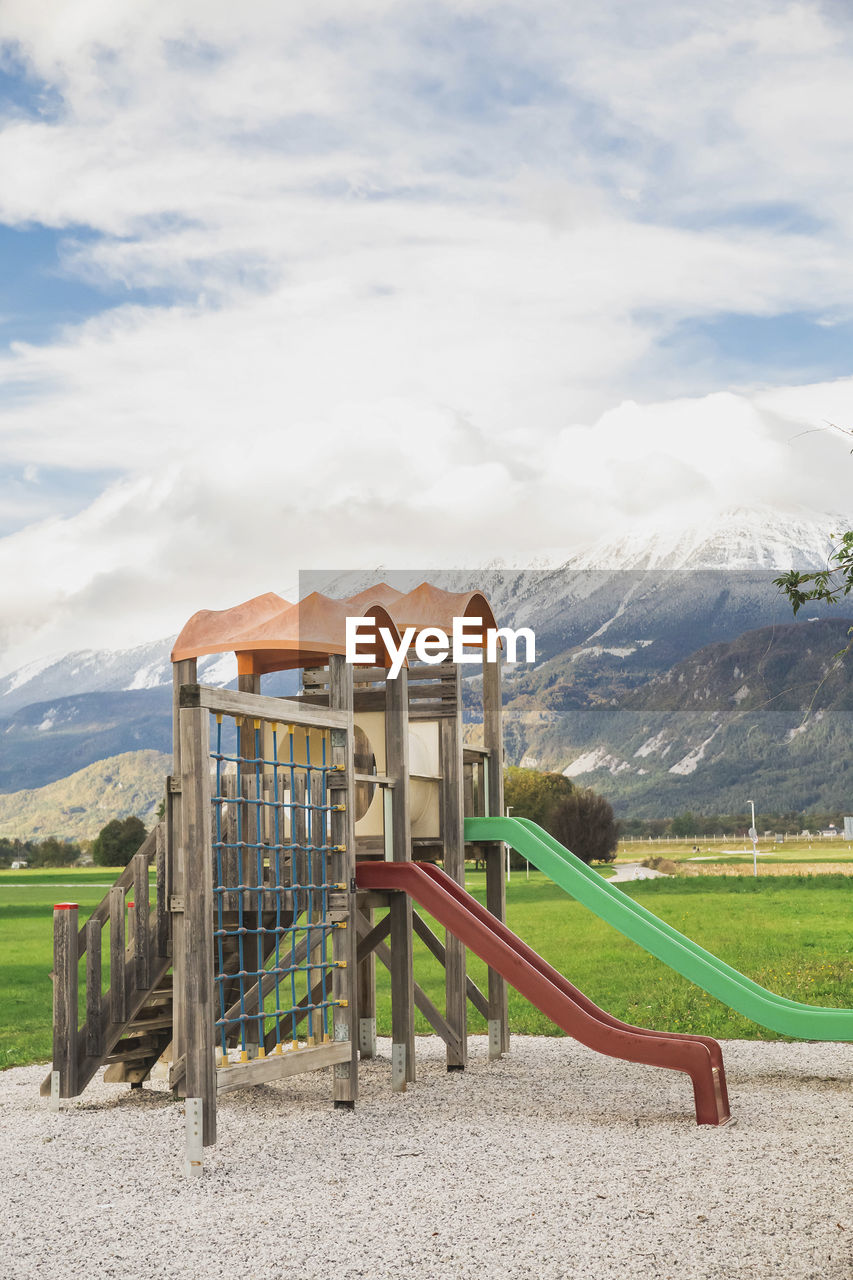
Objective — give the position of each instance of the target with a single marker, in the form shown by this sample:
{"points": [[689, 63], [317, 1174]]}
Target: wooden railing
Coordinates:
{"points": [[139, 956]]}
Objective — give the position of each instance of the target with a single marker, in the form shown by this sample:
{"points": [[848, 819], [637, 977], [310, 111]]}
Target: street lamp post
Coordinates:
{"points": [[753, 835]]}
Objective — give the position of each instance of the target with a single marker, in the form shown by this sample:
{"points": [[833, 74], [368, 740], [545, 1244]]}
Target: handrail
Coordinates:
{"points": [[125, 881]]}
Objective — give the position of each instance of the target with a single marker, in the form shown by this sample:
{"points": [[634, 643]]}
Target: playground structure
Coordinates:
{"points": [[290, 824]]}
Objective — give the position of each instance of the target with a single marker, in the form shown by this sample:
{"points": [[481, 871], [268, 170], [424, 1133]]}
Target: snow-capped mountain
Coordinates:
{"points": [[739, 539], [147, 666], [608, 619]]}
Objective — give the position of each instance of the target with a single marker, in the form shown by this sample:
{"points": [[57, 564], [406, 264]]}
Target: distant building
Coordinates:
{"points": [[848, 828], [17, 866]]}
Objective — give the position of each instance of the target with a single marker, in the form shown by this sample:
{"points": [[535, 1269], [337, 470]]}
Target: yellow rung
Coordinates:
{"points": [[340, 964], [339, 808], [344, 1004]]}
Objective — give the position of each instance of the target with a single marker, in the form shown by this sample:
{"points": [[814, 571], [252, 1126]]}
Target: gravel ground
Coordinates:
{"points": [[555, 1162]]}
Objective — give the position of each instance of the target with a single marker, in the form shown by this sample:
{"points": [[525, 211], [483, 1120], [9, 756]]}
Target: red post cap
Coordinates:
{"points": [[65, 906]]}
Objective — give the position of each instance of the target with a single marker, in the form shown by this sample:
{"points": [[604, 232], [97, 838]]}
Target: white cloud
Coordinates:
{"points": [[414, 268]]}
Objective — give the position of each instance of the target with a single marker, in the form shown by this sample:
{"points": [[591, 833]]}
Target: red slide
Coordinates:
{"points": [[699, 1056]]}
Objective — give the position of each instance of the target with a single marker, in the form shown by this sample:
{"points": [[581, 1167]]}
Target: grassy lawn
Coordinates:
{"points": [[733, 852], [792, 934]]}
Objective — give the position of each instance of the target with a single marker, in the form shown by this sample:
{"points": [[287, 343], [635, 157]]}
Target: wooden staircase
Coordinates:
{"points": [[128, 1025]]}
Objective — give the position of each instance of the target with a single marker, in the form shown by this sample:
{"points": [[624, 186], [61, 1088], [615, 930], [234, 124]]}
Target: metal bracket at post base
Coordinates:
{"points": [[398, 1068], [193, 1149]]}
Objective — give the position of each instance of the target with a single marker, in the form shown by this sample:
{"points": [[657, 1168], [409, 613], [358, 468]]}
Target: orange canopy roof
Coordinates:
{"points": [[268, 633]]}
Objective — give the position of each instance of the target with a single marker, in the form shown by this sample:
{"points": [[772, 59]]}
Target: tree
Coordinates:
{"points": [[584, 823], [531, 794], [117, 842], [54, 853], [580, 819]]}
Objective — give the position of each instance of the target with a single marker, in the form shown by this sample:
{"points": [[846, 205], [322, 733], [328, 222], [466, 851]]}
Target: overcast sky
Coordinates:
{"points": [[287, 286]]}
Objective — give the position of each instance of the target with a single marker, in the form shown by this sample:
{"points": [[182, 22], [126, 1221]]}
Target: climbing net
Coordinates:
{"points": [[273, 871]]}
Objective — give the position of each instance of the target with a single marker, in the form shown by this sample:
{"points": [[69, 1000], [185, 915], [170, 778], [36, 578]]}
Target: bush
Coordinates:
{"points": [[584, 823], [117, 842], [664, 865], [582, 820]]}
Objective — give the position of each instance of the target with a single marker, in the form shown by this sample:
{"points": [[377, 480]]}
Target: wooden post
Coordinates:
{"points": [[161, 935], [453, 839], [184, 672], [495, 882], [65, 997], [141, 934], [366, 1000], [342, 903], [118, 968], [400, 909], [198, 1003], [94, 1021]]}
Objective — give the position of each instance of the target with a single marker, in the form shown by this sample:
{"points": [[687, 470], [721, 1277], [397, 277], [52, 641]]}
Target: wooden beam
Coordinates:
{"points": [[184, 672], [438, 1023], [260, 707], [495, 881], [94, 1012], [199, 1005], [141, 932], [370, 935], [118, 985], [278, 1066], [436, 946], [367, 985], [161, 930], [453, 839], [65, 998], [400, 907], [341, 905]]}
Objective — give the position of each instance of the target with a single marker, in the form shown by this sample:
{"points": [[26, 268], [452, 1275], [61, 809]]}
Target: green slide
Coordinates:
{"points": [[806, 1021]]}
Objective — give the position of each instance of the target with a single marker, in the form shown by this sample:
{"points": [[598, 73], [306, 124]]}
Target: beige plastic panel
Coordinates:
{"points": [[372, 724], [423, 758]]}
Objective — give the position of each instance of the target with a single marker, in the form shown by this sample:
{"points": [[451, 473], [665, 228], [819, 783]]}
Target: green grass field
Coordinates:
{"points": [[815, 851], [792, 934]]}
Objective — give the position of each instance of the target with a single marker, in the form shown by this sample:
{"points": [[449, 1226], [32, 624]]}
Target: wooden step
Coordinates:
{"points": [[141, 1026]]}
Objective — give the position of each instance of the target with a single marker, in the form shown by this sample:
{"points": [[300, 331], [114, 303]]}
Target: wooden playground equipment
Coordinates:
{"points": [[298, 835]]}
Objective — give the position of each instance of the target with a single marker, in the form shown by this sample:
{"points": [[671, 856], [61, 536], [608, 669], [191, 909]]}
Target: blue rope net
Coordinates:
{"points": [[273, 857]]}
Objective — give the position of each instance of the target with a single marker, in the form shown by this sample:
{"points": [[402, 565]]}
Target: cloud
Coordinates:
{"points": [[405, 279]]}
